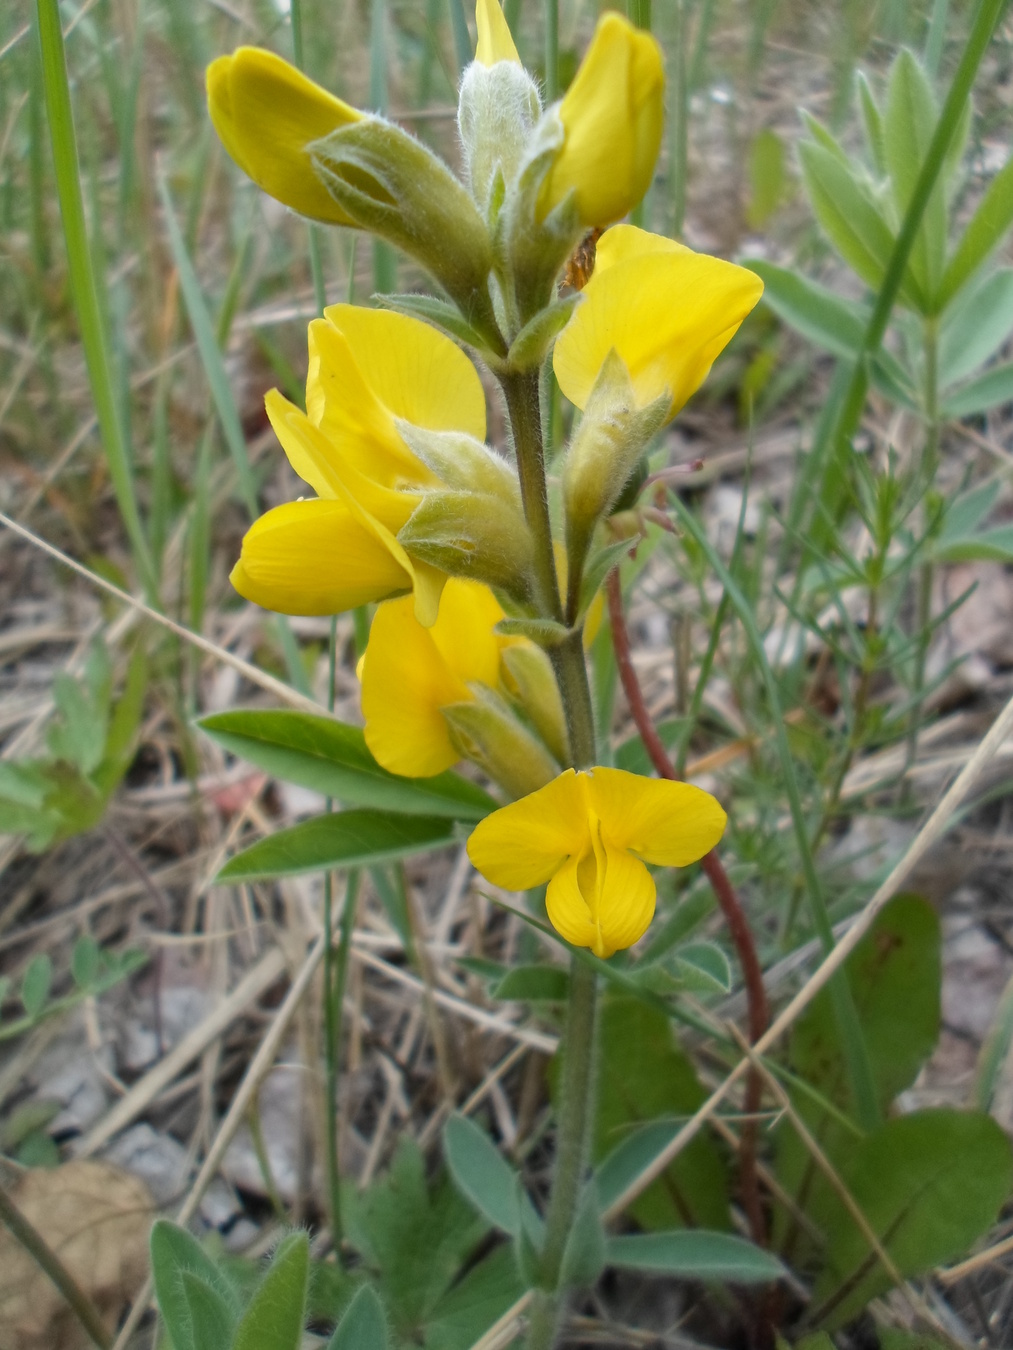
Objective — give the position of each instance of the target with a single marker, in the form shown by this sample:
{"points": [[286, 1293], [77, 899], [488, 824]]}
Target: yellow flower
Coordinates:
{"points": [[664, 310], [494, 40], [339, 550], [409, 673], [266, 113], [588, 835], [612, 117]]}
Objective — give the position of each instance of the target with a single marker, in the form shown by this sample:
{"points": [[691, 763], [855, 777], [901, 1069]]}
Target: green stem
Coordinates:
{"points": [[36, 1246], [927, 472], [331, 1013], [524, 407], [577, 1094]]}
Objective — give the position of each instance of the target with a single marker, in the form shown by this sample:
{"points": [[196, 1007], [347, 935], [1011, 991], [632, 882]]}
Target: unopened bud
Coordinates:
{"points": [[472, 535], [604, 452], [485, 731], [529, 672], [390, 183], [498, 107]]}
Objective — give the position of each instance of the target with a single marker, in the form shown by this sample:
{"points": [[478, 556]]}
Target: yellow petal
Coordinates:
{"points": [[315, 557], [340, 401], [667, 313], [667, 824], [494, 40], [568, 910], [612, 115], [405, 683], [318, 460], [415, 372], [626, 901], [525, 843], [463, 632], [266, 113]]}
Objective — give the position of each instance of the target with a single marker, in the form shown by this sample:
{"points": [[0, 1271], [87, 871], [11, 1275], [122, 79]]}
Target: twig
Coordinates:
{"points": [[39, 1249], [735, 917]]}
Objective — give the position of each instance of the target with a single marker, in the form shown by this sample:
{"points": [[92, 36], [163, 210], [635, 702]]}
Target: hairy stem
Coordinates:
{"points": [[724, 892], [577, 1090]]}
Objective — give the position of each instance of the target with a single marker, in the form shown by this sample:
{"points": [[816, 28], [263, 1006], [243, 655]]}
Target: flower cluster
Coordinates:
{"points": [[413, 510]]}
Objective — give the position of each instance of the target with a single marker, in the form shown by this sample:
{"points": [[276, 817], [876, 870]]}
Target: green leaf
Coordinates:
{"points": [[584, 1255], [212, 1321], [274, 1318], [174, 1252], [851, 222], [439, 313], [872, 120], [831, 322], [332, 758], [976, 326], [534, 983], [930, 1184], [962, 539], [481, 1174], [987, 391], [77, 735], [24, 784], [703, 966], [36, 984], [121, 737], [644, 1077], [415, 1239], [695, 1254], [767, 178], [908, 125], [474, 1303], [529, 348], [364, 1326], [986, 228], [84, 962], [341, 839], [989, 546], [630, 1157], [546, 633]]}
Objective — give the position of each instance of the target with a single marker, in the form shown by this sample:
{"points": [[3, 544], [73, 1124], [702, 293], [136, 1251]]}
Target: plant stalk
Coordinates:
{"points": [[577, 1089]]}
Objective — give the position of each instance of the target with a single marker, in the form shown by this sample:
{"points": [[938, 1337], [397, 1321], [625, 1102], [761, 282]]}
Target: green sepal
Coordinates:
{"points": [[531, 345], [547, 633], [486, 731], [462, 462], [472, 535], [391, 184], [444, 316], [530, 670]]}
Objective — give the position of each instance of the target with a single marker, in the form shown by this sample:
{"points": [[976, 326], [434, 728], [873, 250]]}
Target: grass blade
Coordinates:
{"points": [[84, 289]]}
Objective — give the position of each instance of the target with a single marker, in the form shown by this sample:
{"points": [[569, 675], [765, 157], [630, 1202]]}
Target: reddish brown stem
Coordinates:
{"points": [[724, 891]]}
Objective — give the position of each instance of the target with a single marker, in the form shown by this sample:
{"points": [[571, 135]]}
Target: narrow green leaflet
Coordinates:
{"points": [[36, 984], [212, 1320], [333, 758], [987, 226], [274, 1318], [695, 1254], [930, 1184], [987, 391], [534, 983], [976, 326], [481, 1174], [909, 121], [474, 1303], [174, 1252], [364, 1326], [343, 839]]}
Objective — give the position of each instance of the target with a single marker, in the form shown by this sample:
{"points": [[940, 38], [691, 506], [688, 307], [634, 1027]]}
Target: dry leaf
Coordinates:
{"points": [[96, 1218]]}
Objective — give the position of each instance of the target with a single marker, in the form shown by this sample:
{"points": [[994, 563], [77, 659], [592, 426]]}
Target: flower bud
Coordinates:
{"points": [[529, 671], [388, 182], [485, 731], [497, 109], [612, 118], [463, 462], [473, 535], [268, 114], [605, 450]]}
